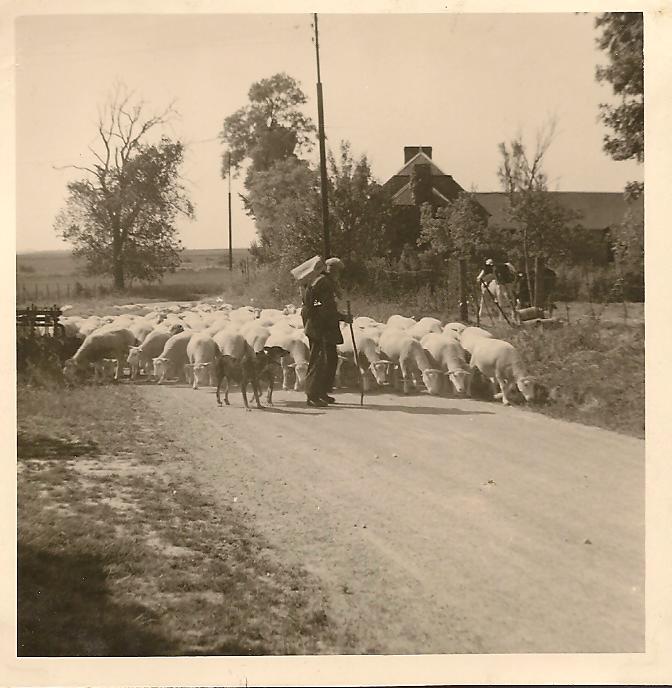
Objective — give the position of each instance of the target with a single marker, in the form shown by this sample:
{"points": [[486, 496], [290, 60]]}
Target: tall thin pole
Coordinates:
{"points": [[228, 158], [323, 156]]}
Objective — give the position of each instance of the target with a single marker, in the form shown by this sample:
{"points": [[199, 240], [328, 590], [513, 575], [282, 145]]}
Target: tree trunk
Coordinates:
{"points": [[538, 282], [464, 310], [119, 275], [526, 258], [117, 260]]}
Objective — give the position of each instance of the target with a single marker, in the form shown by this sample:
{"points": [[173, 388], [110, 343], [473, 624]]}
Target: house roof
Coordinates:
{"points": [[442, 183], [599, 210], [445, 188], [420, 158]]}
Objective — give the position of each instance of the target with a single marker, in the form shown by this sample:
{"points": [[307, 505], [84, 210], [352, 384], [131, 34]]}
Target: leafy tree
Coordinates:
{"points": [[421, 184], [622, 38], [457, 230], [271, 128], [628, 247], [359, 210], [540, 226], [285, 202], [121, 216]]}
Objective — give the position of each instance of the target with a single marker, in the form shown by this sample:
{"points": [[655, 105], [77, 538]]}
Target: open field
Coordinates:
{"points": [[52, 276]]}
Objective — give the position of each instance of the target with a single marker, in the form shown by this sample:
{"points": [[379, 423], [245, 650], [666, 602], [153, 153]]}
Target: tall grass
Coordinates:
{"points": [[595, 369]]}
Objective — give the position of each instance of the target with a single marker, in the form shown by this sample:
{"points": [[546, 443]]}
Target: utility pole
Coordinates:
{"points": [[323, 156], [228, 159]]}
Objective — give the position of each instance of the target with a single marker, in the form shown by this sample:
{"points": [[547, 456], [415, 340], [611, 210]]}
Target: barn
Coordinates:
{"points": [[421, 180]]}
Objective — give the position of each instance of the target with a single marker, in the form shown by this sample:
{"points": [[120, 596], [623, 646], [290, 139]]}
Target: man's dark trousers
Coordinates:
{"points": [[321, 368]]}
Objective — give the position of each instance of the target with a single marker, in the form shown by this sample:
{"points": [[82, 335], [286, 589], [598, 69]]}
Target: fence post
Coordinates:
{"points": [[538, 281], [464, 307]]}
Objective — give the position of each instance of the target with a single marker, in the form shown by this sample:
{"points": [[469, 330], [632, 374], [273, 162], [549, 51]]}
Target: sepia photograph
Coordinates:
{"points": [[330, 334]]}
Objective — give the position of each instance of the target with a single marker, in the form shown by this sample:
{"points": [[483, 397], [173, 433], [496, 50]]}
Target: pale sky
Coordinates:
{"points": [[459, 83]]}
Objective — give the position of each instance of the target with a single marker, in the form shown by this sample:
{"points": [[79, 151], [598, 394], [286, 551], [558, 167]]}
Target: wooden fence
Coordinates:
{"points": [[57, 291]]}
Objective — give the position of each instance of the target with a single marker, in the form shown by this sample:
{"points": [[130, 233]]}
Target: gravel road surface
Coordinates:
{"points": [[436, 525]]}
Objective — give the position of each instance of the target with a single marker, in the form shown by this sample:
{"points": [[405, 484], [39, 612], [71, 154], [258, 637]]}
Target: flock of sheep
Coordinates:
{"points": [[212, 343]]}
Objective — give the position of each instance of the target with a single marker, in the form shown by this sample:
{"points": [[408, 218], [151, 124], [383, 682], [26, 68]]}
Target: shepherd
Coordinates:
{"points": [[496, 279], [321, 320]]}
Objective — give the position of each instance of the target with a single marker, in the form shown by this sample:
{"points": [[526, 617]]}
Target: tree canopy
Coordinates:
{"points": [[285, 202], [271, 128], [458, 230], [540, 226], [121, 215], [622, 39]]}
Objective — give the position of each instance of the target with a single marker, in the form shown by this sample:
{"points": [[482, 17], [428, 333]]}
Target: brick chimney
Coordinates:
{"points": [[412, 151]]}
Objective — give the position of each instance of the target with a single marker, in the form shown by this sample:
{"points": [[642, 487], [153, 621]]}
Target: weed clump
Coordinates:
{"points": [[595, 372]]}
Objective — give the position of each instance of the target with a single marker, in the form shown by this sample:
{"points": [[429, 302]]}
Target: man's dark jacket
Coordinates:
{"points": [[319, 312]]}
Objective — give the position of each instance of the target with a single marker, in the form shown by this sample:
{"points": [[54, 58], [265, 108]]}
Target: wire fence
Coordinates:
{"points": [[41, 291]]}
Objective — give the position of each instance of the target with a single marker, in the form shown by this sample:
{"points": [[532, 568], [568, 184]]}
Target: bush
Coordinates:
{"points": [[597, 285], [39, 359], [595, 368]]}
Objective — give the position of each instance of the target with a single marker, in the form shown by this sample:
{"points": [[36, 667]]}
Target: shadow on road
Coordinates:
{"points": [[284, 410], [421, 410]]}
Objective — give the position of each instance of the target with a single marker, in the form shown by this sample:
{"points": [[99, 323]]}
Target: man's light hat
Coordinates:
{"points": [[308, 271]]}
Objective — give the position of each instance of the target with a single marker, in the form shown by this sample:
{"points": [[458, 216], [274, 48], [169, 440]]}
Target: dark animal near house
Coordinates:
{"points": [[521, 291]]}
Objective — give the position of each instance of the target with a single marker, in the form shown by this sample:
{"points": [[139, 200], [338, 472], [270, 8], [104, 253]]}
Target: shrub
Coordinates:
{"points": [[39, 359], [596, 369]]}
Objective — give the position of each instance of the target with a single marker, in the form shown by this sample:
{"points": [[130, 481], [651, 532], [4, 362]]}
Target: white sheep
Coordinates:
{"points": [[370, 359], [400, 322], [470, 336], [173, 358], [98, 346], [397, 346], [296, 343], [501, 363], [201, 355], [447, 355]]}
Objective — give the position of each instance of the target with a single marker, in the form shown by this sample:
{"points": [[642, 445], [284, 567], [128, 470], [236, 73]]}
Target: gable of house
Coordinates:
{"points": [[444, 188]]}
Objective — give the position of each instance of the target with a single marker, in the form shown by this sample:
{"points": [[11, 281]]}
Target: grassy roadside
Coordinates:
{"points": [[121, 553], [596, 368]]}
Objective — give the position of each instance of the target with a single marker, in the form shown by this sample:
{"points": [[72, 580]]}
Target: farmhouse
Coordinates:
{"points": [[420, 180]]}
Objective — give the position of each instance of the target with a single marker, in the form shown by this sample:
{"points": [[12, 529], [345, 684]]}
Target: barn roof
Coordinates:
{"points": [[599, 209]]}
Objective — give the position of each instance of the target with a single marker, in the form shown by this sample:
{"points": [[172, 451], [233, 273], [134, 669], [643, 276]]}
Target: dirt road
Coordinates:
{"points": [[437, 525]]}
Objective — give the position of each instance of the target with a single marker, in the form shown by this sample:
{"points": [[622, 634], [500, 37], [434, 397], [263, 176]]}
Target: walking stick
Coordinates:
{"points": [[354, 348]]}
